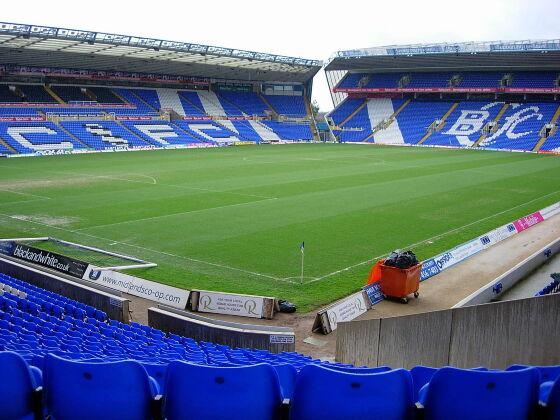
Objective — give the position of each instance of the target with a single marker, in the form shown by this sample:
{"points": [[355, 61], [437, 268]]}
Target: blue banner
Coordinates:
{"points": [[374, 293], [429, 269]]}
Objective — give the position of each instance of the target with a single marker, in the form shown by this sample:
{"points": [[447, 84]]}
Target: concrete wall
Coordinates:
{"points": [[510, 278], [115, 306], [424, 341], [201, 328], [495, 335]]}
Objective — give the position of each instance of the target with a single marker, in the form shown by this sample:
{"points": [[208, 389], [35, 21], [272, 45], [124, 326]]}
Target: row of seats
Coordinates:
{"points": [[518, 128], [35, 322], [552, 287], [474, 79], [66, 389], [146, 101], [31, 137], [81, 359]]}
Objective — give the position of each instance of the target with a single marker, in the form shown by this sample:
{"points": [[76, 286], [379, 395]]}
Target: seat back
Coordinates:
{"points": [[287, 375], [16, 387], [89, 390], [467, 394], [378, 369], [211, 392], [421, 375], [553, 402], [330, 394], [158, 372], [547, 373]]}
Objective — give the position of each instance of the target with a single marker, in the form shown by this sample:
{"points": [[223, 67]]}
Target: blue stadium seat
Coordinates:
{"points": [[421, 375], [323, 393], [19, 388], [292, 106], [553, 402], [117, 390], [158, 372], [287, 375], [348, 369], [205, 392], [469, 394], [546, 373]]}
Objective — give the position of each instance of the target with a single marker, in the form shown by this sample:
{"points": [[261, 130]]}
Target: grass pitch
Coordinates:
{"points": [[232, 219]]}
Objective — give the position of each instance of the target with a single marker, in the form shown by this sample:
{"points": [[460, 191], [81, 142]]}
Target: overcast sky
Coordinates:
{"points": [[300, 28]]}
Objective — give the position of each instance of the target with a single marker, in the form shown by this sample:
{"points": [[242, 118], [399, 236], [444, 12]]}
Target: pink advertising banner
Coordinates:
{"points": [[528, 221]]}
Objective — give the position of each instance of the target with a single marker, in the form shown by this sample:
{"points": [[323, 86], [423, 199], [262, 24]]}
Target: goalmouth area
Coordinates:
{"points": [[233, 219]]}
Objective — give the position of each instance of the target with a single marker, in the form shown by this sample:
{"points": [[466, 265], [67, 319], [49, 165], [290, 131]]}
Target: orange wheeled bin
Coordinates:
{"points": [[399, 283]]}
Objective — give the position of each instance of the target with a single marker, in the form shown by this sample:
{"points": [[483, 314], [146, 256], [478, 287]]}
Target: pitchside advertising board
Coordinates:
{"points": [[44, 258], [157, 292], [449, 258], [350, 308], [230, 304]]}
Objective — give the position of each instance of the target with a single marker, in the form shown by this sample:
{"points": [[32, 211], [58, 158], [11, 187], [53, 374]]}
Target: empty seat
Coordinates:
{"points": [[19, 389], [348, 369], [323, 393], [112, 390], [157, 372], [470, 394], [546, 373], [209, 392], [287, 375], [553, 402]]}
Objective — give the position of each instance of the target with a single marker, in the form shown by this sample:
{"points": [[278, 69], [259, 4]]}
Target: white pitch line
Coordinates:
{"points": [[168, 254], [42, 197], [124, 222], [154, 182], [429, 239], [151, 178]]}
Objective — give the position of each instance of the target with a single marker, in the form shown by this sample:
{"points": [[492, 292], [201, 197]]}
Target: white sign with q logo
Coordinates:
{"points": [[230, 304]]}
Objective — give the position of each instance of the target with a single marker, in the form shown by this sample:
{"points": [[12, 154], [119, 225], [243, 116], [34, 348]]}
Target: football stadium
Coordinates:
{"points": [[184, 235]]}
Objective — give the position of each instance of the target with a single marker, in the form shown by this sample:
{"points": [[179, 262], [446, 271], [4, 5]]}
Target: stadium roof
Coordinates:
{"points": [[30, 45], [520, 55]]}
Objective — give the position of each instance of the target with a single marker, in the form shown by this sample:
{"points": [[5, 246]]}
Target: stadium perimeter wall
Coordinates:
{"points": [[510, 278], [113, 305], [272, 338], [496, 335]]}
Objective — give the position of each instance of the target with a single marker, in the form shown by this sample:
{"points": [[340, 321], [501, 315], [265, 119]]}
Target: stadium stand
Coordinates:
{"points": [[448, 123], [36, 94], [427, 80], [77, 358], [529, 79], [292, 106], [480, 79], [345, 109], [62, 105], [101, 135], [160, 133], [208, 131], [415, 119], [460, 79], [290, 131], [390, 80], [29, 137], [248, 102], [71, 93]]}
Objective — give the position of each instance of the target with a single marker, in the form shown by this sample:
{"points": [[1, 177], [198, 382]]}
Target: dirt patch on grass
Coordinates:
{"points": [[47, 219], [46, 183]]}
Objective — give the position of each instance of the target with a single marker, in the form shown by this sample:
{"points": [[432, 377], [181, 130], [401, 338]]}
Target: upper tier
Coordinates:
{"points": [[525, 81], [25, 100]]}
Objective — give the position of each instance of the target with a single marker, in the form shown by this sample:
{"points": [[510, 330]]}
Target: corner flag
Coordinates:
{"points": [[302, 249]]}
